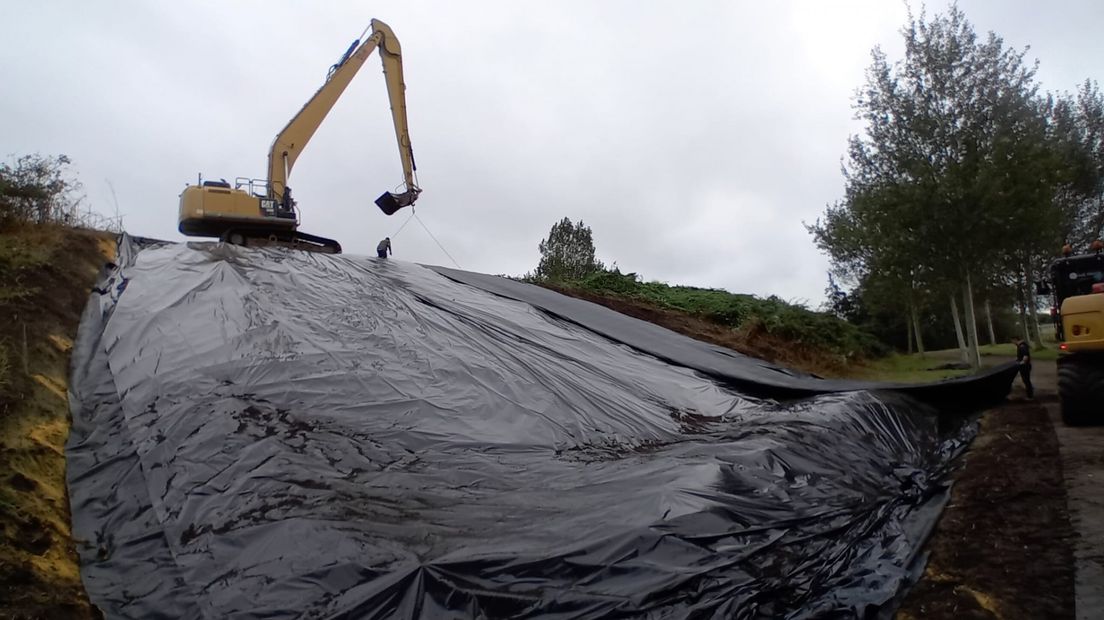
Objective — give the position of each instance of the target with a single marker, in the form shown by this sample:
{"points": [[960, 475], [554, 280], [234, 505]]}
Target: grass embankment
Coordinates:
{"points": [[1046, 353], [45, 275], [769, 329], [930, 367], [776, 331]]}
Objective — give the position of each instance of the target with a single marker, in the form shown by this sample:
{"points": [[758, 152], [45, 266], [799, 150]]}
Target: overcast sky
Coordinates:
{"points": [[693, 137]]}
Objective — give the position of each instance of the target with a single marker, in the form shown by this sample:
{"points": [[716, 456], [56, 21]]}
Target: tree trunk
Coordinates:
{"points": [[962, 352], [1033, 312], [971, 322], [908, 331], [916, 327], [1023, 320], [1024, 331], [989, 322], [1032, 307]]}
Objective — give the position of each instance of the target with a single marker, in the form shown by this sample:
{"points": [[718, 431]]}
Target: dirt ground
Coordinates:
{"points": [[1083, 466], [51, 271], [1004, 545]]}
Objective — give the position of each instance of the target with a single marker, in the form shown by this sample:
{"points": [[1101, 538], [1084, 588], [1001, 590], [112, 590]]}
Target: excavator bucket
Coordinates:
{"points": [[390, 203], [387, 203]]}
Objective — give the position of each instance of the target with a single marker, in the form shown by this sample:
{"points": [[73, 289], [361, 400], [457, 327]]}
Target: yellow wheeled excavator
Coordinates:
{"points": [[259, 212], [1077, 283]]}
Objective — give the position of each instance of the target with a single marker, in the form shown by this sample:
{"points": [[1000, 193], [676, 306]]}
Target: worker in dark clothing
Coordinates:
{"points": [[1023, 358], [384, 247]]}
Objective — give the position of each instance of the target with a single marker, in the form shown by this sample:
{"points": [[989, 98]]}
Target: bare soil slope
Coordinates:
{"points": [[46, 273]]}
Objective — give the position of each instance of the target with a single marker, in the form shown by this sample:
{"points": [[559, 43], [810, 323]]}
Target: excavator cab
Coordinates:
{"points": [[1075, 275]]}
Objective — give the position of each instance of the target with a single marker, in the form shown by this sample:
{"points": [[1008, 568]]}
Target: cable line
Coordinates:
{"points": [[437, 242]]}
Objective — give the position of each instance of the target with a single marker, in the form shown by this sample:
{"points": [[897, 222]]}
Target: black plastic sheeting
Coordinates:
{"points": [[264, 433], [753, 376]]}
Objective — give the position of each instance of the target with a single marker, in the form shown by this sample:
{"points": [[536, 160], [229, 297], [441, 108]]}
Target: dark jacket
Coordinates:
{"points": [[1023, 352]]}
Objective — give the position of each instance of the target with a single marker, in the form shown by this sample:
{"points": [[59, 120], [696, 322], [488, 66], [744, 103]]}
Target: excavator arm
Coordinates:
{"points": [[391, 54], [293, 138]]}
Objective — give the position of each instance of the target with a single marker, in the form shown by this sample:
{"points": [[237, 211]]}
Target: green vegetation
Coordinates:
{"points": [[915, 368], [1044, 353], [790, 322], [960, 189], [36, 193], [24, 251], [567, 253], [899, 368], [38, 189], [568, 263]]}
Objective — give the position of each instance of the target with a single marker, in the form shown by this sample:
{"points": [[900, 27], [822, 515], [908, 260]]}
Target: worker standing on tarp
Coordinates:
{"points": [[1023, 358], [384, 248]]}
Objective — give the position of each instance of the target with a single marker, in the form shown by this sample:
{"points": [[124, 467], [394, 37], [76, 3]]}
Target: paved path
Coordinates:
{"points": [[1083, 467]]}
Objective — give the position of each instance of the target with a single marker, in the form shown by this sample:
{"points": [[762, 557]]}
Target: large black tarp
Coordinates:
{"points": [[264, 433]]}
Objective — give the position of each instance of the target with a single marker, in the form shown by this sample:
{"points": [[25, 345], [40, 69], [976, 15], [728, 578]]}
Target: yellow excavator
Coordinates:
{"points": [[261, 212], [1077, 283]]}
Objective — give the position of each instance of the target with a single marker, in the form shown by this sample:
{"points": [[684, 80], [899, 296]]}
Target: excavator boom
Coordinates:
{"points": [[391, 55], [293, 138], [289, 143]]}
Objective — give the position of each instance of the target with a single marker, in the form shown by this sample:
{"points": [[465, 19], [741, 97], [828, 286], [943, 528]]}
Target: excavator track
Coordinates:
{"points": [[294, 240]]}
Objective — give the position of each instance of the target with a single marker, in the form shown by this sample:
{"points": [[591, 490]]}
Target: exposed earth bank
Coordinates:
{"points": [[47, 273]]}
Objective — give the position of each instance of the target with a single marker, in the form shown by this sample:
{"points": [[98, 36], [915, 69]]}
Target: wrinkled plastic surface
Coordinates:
{"points": [[266, 433], [751, 375]]}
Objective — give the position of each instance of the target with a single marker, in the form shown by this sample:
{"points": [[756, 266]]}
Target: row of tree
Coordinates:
{"points": [[963, 185]]}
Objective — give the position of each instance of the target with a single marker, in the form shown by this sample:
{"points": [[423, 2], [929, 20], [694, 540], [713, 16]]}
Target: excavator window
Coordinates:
{"points": [[1076, 275], [223, 184]]}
